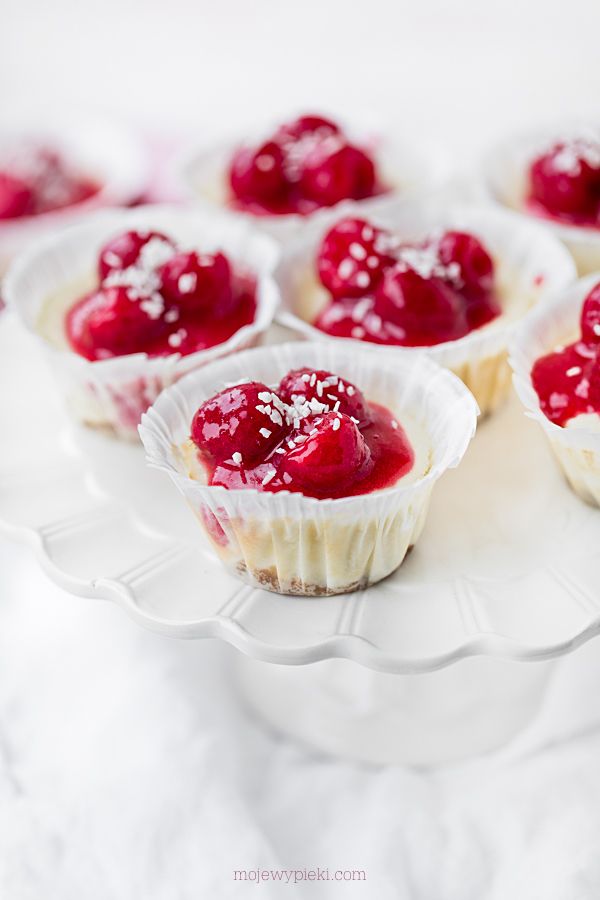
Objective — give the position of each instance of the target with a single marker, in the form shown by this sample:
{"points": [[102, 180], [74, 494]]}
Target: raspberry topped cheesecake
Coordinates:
{"points": [[567, 380], [556, 360], [427, 277], [36, 179], [564, 182], [310, 466], [128, 301], [286, 174], [304, 165], [553, 175], [157, 298], [313, 433]]}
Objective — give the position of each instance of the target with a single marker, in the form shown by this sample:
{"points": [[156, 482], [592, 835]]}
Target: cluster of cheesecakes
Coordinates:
{"points": [[310, 465]]}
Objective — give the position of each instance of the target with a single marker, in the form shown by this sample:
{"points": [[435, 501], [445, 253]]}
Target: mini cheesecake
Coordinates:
{"points": [[312, 475], [451, 284], [556, 360], [127, 302], [150, 296]]}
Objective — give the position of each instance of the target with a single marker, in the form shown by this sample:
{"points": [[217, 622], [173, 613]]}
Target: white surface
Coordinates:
{"points": [[129, 770], [507, 565], [355, 713]]}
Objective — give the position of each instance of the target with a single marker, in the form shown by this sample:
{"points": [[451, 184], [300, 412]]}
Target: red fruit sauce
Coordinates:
{"points": [[567, 381], [564, 183], [392, 292], [155, 299], [306, 164], [300, 436], [36, 180]]}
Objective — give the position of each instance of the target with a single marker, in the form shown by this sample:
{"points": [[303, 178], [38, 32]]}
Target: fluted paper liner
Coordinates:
{"points": [[505, 178], [112, 394], [530, 266], [300, 545], [577, 450]]}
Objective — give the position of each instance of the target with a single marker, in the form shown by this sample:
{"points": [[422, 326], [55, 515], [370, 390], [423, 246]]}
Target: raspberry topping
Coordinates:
{"points": [[111, 322], [565, 181], [475, 277], [352, 258], [158, 299], [258, 176], [334, 452], [36, 180], [590, 317], [124, 250], [236, 421], [426, 310], [594, 389], [567, 381], [305, 164], [334, 171], [305, 125], [326, 388], [389, 291], [295, 437], [16, 197], [194, 281], [476, 269]]}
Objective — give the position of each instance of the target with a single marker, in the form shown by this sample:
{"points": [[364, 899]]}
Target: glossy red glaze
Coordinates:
{"points": [[565, 182], [37, 181], [304, 165], [325, 387], [235, 420], [391, 292], [16, 197], [147, 304], [352, 258], [199, 282], [325, 455], [258, 175], [110, 322], [567, 381], [426, 310], [334, 171]]}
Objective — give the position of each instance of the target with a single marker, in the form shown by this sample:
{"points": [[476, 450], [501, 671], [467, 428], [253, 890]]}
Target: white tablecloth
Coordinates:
{"points": [[129, 769]]}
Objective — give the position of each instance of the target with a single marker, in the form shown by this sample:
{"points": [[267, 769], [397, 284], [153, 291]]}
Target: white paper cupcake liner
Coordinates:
{"points": [[403, 166], [505, 179], [107, 152], [577, 450], [530, 263], [112, 394], [294, 544]]}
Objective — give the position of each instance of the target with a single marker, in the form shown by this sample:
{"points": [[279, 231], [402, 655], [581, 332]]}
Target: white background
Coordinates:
{"points": [[460, 72], [127, 769]]}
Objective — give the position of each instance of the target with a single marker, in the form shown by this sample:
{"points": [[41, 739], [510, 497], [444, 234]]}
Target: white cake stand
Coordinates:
{"points": [[424, 667]]}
